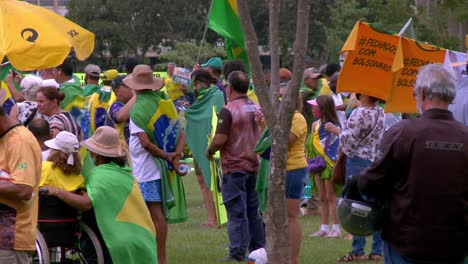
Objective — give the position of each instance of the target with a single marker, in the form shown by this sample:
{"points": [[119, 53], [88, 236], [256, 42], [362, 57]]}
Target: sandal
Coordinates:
{"points": [[351, 257], [375, 257]]}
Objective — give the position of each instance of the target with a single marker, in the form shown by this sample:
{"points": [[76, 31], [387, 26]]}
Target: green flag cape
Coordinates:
{"points": [[121, 215], [224, 20], [263, 144], [89, 89], [199, 126], [155, 113]]}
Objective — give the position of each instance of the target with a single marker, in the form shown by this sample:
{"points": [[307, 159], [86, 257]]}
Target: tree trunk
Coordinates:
{"points": [[278, 119]]}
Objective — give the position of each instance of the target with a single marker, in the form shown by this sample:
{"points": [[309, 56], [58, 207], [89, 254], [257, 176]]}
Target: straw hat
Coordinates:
{"points": [[105, 142], [142, 79]]}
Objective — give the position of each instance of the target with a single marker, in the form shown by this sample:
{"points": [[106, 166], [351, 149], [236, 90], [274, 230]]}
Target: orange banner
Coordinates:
{"points": [[415, 55]]}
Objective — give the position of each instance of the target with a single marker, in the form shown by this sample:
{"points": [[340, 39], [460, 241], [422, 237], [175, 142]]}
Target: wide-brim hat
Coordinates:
{"points": [[142, 79], [105, 142]]}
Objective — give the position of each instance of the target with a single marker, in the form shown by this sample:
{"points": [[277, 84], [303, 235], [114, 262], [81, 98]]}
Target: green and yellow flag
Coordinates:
{"points": [[121, 214], [155, 113], [6, 101], [224, 20]]}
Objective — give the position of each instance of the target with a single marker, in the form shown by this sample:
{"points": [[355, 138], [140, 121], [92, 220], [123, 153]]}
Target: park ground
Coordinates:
{"points": [[189, 242]]}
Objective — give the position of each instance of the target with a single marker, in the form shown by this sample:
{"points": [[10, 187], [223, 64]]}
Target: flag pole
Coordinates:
{"points": [[204, 33], [405, 27]]}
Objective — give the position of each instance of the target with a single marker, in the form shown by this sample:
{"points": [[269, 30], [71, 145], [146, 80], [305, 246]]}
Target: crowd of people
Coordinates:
{"points": [[115, 148]]}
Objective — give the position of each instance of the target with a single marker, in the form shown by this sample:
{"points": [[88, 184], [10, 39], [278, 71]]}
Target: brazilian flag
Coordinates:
{"points": [[6, 101], [155, 113], [224, 20], [121, 214], [199, 128]]}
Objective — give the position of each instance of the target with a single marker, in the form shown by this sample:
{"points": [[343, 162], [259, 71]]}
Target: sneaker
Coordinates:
{"points": [[319, 233], [333, 234]]}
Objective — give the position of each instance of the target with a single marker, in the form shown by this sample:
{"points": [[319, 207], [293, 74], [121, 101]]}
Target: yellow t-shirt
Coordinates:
{"points": [[172, 88], [296, 152], [55, 177], [20, 163]]}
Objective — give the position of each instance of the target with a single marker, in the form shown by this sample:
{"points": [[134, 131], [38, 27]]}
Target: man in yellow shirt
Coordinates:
{"points": [[20, 172], [172, 89]]}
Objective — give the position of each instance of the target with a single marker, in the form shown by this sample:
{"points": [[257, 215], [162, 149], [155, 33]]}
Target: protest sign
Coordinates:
{"points": [[415, 55], [182, 76], [368, 67]]}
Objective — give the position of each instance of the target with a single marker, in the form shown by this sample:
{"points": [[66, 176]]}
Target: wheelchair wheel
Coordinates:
{"points": [[87, 249], [41, 255], [90, 250]]}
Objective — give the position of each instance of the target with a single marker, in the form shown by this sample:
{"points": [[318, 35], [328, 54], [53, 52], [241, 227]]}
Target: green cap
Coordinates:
{"points": [[214, 62]]}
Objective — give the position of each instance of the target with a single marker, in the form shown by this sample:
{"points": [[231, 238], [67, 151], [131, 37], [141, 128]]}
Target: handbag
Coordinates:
{"points": [[318, 164], [339, 169]]}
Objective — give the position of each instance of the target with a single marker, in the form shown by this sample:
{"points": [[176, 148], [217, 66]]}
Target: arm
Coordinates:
{"points": [[13, 191], [222, 132], [292, 139], [124, 113], [9, 80], [21, 165], [341, 107], [153, 149], [80, 202], [179, 149], [14, 112], [349, 136]]}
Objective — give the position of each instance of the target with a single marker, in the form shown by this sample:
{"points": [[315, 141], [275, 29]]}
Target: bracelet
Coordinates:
{"points": [[167, 156], [56, 192]]}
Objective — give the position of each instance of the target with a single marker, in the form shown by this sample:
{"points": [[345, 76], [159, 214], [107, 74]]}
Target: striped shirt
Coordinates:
{"points": [[65, 122]]}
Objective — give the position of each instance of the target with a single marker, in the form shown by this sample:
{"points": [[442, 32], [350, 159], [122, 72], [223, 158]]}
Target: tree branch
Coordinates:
{"points": [[274, 10], [300, 48], [251, 45]]}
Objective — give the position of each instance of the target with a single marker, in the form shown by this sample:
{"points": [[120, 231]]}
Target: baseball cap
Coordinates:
{"points": [[109, 75], [214, 62], [93, 70], [65, 142]]}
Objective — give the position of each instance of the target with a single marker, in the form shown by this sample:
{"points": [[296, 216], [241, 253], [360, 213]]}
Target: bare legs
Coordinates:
{"points": [[327, 197], [207, 200], [160, 225], [293, 206]]}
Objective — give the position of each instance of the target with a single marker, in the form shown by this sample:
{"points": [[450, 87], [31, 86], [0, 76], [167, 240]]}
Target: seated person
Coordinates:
{"points": [[114, 195], [63, 166]]}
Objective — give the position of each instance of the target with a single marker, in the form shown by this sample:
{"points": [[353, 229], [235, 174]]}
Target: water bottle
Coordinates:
{"points": [[184, 168]]}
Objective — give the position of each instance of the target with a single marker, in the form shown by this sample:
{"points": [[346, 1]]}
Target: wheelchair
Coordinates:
{"points": [[63, 237]]}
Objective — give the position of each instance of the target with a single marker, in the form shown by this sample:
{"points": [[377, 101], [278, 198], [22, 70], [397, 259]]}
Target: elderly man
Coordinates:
{"points": [[20, 172], [422, 175]]}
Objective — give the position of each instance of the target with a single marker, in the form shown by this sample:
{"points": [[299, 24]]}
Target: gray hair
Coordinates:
{"points": [[30, 85], [436, 81]]}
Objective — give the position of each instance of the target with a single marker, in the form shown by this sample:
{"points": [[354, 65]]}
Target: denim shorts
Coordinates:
{"points": [[151, 190], [296, 181]]}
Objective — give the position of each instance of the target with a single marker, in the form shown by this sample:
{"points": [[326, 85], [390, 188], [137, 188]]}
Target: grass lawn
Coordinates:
{"points": [[189, 242]]}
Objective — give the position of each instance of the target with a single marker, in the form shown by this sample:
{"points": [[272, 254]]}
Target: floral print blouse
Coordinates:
{"points": [[362, 132]]}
